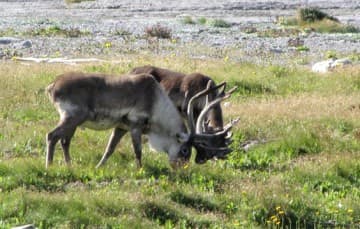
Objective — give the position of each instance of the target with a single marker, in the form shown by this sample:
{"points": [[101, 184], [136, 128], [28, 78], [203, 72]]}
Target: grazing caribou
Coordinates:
{"points": [[130, 103], [180, 88]]}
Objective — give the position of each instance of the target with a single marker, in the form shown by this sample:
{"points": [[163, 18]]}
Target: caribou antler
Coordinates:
{"points": [[210, 144], [190, 107]]}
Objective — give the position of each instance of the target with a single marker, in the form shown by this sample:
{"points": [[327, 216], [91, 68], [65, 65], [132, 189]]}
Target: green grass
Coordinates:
{"points": [[219, 23], [49, 31], [304, 173], [188, 20]]}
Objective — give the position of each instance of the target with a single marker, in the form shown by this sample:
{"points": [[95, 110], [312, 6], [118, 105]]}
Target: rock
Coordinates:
{"points": [[322, 67], [341, 62], [276, 50], [328, 65], [26, 44], [8, 40]]}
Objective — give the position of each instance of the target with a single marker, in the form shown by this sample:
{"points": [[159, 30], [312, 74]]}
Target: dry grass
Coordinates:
{"points": [[297, 107]]}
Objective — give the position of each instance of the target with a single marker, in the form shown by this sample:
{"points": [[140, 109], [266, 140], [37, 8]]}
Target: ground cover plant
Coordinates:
{"points": [[317, 20], [304, 173]]}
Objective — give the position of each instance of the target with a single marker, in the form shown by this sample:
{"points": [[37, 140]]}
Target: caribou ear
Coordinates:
{"points": [[182, 137]]}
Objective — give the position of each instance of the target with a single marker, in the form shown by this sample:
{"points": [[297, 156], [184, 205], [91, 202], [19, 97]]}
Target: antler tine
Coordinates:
{"points": [[222, 92], [190, 107], [207, 96], [209, 106]]}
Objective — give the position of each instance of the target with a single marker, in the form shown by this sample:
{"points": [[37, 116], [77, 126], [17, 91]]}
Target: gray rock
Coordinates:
{"points": [[323, 66], [8, 40], [26, 44], [328, 65]]}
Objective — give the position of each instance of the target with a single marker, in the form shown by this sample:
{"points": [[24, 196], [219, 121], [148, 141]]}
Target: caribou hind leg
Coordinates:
{"points": [[65, 145], [115, 138], [64, 132]]}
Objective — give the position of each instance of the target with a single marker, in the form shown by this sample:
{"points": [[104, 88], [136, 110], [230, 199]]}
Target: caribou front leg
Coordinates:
{"points": [[115, 138], [136, 141]]}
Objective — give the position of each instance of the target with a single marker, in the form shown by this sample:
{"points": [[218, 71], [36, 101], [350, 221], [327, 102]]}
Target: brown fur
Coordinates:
{"points": [[177, 84]]}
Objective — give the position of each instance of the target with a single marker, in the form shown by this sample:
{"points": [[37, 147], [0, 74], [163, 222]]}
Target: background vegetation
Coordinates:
{"points": [[316, 20], [305, 173]]}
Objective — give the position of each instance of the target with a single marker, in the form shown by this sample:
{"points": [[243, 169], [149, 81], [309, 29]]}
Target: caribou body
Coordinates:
{"points": [[136, 104], [181, 87]]}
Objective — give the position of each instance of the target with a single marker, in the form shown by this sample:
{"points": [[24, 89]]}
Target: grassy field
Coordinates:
{"points": [[304, 174]]}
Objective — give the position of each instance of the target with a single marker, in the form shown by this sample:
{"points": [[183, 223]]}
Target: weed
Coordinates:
{"points": [[122, 32], [355, 56], [219, 23], [328, 26], [187, 20], [310, 15], [302, 48], [202, 20], [331, 54], [52, 31]]}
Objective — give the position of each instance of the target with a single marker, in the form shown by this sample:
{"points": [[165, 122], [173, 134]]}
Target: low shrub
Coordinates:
{"points": [[158, 31], [188, 20], [220, 23], [309, 15]]}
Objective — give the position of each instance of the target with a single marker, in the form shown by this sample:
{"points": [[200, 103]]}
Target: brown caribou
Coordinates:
{"points": [[130, 103], [181, 88]]}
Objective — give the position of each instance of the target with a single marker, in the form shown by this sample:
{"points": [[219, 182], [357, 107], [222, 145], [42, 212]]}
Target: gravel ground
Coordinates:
{"points": [[114, 28]]}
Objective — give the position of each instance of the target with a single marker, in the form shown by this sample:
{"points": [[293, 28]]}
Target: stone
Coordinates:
{"points": [[323, 66], [26, 44], [341, 62], [328, 65], [8, 40]]}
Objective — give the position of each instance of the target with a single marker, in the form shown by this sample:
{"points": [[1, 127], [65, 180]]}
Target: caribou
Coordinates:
{"points": [[181, 88], [133, 103]]}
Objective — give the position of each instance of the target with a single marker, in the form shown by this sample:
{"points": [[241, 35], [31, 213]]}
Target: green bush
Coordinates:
{"points": [[188, 20], [309, 15], [202, 20], [220, 23]]}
